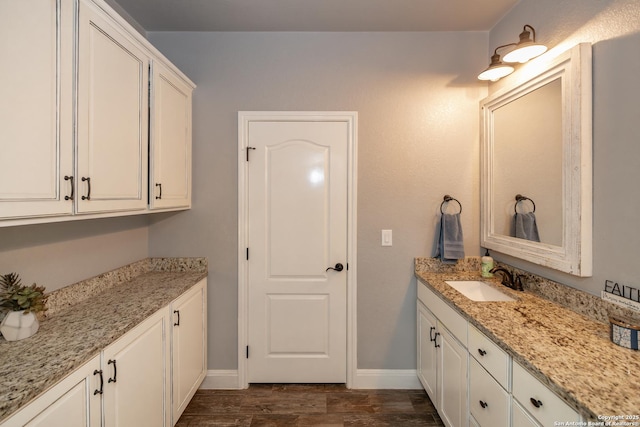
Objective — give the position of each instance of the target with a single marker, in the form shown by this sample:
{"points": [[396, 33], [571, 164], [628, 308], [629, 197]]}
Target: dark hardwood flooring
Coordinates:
{"points": [[309, 405]]}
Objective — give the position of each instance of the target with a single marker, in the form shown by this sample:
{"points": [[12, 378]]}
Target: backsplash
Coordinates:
{"points": [[85, 289], [591, 306]]}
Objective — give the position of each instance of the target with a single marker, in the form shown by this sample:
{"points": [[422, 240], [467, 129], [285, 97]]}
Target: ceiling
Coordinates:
{"points": [[317, 15]]}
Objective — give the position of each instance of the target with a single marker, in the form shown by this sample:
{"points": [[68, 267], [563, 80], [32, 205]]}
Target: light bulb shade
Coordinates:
{"points": [[526, 49], [496, 70]]}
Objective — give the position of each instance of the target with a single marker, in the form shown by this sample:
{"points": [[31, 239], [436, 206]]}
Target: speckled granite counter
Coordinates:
{"points": [[79, 329], [569, 352]]}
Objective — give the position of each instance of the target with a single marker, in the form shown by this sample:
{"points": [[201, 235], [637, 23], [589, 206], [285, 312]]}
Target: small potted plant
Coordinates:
{"points": [[23, 303]]}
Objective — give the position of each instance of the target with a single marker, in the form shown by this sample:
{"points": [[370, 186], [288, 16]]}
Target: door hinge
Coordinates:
{"points": [[247, 254], [249, 148], [247, 352]]}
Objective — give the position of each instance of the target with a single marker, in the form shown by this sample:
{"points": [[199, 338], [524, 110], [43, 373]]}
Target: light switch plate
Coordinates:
{"points": [[387, 238]]}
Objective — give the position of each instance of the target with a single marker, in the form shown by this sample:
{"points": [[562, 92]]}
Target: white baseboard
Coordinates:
{"points": [[387, 379], [220, 379], [365, 379]]}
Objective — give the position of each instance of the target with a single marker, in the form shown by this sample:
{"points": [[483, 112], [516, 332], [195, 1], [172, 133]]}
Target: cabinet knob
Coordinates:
{"points": [[535, 402], [483, 404], [482, 352]]}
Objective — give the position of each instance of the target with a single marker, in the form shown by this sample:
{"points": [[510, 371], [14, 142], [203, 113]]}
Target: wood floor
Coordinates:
{"points": [[309, 405]]}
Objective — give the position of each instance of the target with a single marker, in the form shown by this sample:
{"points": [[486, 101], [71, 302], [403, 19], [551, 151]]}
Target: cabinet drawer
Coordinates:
{"points": [[488, 401], [545, 406], [491, 357], [520, 417], [453, 321]]}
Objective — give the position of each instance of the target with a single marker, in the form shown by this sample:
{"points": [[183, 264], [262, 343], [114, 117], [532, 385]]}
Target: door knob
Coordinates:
{"points": [[337, 267]]}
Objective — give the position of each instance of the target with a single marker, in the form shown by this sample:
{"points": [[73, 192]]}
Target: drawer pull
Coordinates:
{"points": [[67, 178], [481, 352], [535, 402], [431, 329], [115, 370], [178, 313], [483, 404], [99, 372], [435, 338], [88, 196]]}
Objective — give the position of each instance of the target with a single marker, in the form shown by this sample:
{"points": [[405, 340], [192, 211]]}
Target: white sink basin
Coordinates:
{"points": [[476, 290]]}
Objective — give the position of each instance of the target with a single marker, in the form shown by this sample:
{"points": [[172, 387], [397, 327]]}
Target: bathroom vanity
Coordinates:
{"points": [[527, 362]]}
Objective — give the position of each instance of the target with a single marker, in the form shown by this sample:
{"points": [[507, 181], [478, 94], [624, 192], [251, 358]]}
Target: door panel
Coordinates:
{"points": [[297, 229]]}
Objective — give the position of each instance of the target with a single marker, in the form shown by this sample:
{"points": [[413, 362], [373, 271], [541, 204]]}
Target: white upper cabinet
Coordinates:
{"points": [[170, 167], [36, 133], [75, 121], [113, 83]]}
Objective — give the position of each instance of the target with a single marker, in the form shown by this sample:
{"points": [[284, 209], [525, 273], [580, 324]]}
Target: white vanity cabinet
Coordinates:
{"points": [[188, 346], [442, 357], [170, 139], [136, 370], [113, 82], [541, 403], [73, 402], [489, 385], [36, 136]]}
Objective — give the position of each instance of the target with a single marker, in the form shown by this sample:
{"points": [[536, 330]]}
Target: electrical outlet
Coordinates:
{"points": [[387, 238]]}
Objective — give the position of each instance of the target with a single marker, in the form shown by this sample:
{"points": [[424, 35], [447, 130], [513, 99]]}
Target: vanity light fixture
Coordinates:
{"points": [[526, 48], [497, 69]]}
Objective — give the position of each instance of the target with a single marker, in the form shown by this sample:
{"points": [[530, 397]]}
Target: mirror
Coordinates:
{"points": [[536, 164]]}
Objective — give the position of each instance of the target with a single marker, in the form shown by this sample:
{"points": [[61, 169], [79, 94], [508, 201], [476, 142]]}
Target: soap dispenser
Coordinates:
{"points": [[487, 264]]}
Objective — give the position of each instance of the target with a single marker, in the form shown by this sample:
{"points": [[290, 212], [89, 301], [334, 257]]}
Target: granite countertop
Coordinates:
{"points": [[76, 333], [567, 351]]}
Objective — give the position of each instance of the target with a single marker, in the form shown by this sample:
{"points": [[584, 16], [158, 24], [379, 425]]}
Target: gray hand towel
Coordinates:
{"points": [[526, 226], [450, 245]]}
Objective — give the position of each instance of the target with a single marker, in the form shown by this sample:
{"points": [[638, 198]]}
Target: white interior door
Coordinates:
{"points": [[297, 229]]}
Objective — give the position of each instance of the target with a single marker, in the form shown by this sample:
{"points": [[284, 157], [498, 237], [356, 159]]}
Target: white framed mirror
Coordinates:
{"points": [[536, 182]]}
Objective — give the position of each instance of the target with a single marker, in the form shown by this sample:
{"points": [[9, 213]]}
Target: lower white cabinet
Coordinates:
{"points": [[135, 368], [442, 359], [144, 378], [471, 380], [543, 405], [188, 346], [488, 401], [73, 402]]}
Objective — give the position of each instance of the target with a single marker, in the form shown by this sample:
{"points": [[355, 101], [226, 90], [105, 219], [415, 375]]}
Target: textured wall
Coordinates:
{"points": [[417, 101], [56, 255], [613, 27]]}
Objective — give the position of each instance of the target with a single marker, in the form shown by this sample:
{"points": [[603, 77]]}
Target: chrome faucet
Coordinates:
{"points": [[508, 279]]}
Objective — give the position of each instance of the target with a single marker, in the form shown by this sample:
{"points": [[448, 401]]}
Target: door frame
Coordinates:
{"points": [[244, 118]]}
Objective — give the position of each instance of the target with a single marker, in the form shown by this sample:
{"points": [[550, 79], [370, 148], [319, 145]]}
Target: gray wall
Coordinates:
{"points": [[57, 255], [613, 27], [417, 100]]}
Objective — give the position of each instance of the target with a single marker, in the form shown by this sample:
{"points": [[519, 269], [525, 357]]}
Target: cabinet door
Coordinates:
{"points": [[427, 352], [189, 346], [170, 186], [73, 402], [36, 135], [135, 369], [113, 79], [453, 368]]}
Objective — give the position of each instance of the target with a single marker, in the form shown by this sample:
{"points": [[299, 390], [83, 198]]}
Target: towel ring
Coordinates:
{"points": [[448, 198], [520, 198]]}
